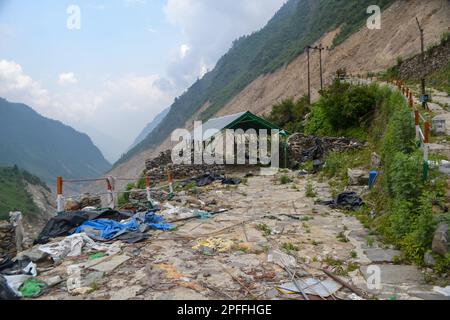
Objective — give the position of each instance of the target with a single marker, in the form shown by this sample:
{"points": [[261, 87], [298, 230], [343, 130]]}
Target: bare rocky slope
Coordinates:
{"points": [[364, 51]]}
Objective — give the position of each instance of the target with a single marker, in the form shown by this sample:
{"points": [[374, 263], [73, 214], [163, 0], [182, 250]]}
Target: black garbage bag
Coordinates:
{"points": [[12, 268], [231, 181], [349, 201], [6, 293], [66, 223]]}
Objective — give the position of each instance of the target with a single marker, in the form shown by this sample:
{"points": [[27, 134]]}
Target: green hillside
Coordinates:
{"points": [[45, 147], [297, 24], [13, 195]]}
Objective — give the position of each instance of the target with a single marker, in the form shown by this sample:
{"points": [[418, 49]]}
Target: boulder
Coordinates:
{"points": [[441, 244], [358, 177]]}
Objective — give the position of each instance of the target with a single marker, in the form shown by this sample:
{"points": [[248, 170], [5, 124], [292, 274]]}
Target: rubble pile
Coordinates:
{"points": [[84, 201], [157, 168], [7, 240], [303, 148]]}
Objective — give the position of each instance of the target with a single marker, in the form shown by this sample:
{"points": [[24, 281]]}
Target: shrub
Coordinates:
{"points": [[342, 107], [289, 114]]}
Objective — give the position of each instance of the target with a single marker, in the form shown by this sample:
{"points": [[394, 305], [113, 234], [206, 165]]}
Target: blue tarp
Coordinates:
{"points": [[108, 229]]}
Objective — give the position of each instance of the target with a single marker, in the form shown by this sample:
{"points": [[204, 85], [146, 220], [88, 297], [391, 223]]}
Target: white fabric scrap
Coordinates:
{"points": [[14, 282], [72, 246]]}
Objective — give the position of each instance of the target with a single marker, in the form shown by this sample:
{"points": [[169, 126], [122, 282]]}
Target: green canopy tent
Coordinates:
{"points": [[244, 120]]}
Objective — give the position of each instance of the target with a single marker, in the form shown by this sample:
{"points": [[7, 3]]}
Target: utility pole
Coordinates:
{"points": [[424, 98], [320, 48]]}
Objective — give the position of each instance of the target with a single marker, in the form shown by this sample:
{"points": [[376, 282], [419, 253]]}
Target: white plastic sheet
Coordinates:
{"points": [[72, 246]]}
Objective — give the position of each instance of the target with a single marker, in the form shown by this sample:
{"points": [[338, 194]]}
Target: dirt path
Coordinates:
{"points": [[265, 216]]}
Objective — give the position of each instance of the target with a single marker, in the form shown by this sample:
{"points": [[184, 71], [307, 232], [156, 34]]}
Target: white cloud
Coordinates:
{"points": [[184, 49], [18, 86], [119, 106], [209, 27], [67, 78]]}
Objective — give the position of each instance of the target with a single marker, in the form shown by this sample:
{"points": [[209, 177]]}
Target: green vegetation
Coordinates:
{"points": [[297, 24], [288, 247], [285, 180], [310, 192], [264, 229], [13, 193], [343, 110], [289, 114], [439, 79], [402, 206], [124, 198]]}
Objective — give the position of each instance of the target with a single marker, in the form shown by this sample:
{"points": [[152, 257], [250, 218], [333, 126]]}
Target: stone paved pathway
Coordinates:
{"points": [[264, 215]]}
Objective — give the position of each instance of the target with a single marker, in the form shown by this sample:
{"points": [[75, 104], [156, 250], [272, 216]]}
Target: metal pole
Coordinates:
{"points": [[422, 50], [417, 122], [321, 72], [59, 197], [309, 76], [109, 183], [426, 150]]}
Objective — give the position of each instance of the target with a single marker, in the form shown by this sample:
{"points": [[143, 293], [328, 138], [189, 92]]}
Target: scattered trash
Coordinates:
{"points": [[209, 178], [309, 148], [358, 177], [214, 244], [282, 259], [98, 255], [15, 282], [355, 297], [6, 293], [32, 288], [373, 176], [66, 223], [313, 287], [349, 201], [72, 246], [104, 230]]}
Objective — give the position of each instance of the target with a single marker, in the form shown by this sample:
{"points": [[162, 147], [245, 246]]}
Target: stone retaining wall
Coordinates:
{"points": [[7, 240]]}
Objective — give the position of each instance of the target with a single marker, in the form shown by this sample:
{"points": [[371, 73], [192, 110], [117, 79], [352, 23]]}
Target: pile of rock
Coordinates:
{"points": [[85, 201], [302, 148], [435, 59], [7, 240], [157, 168]]}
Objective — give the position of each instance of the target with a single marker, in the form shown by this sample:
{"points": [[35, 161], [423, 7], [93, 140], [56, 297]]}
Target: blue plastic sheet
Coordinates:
{"points": [[157, 222], [108, 229]]}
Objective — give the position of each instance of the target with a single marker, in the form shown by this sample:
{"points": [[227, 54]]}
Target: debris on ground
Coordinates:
{"points": [[254, 240], [304, 148]]}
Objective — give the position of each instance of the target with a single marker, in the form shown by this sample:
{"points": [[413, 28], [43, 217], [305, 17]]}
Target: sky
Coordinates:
{"points": [[108, 67]]}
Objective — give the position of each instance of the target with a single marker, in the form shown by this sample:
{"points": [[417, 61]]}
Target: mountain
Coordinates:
{"points": [[45, 147], [111, 147], [149, 128], [297, 24], [21, 191], [342, 28]]}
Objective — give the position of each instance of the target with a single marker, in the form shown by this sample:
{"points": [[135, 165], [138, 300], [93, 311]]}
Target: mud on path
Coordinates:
{"points": [[264, 215]]}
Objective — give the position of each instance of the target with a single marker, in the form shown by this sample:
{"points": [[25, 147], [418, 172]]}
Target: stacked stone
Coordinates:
{"points": [[7, 240], [435, 59], [309, 148], [156, 169]]}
